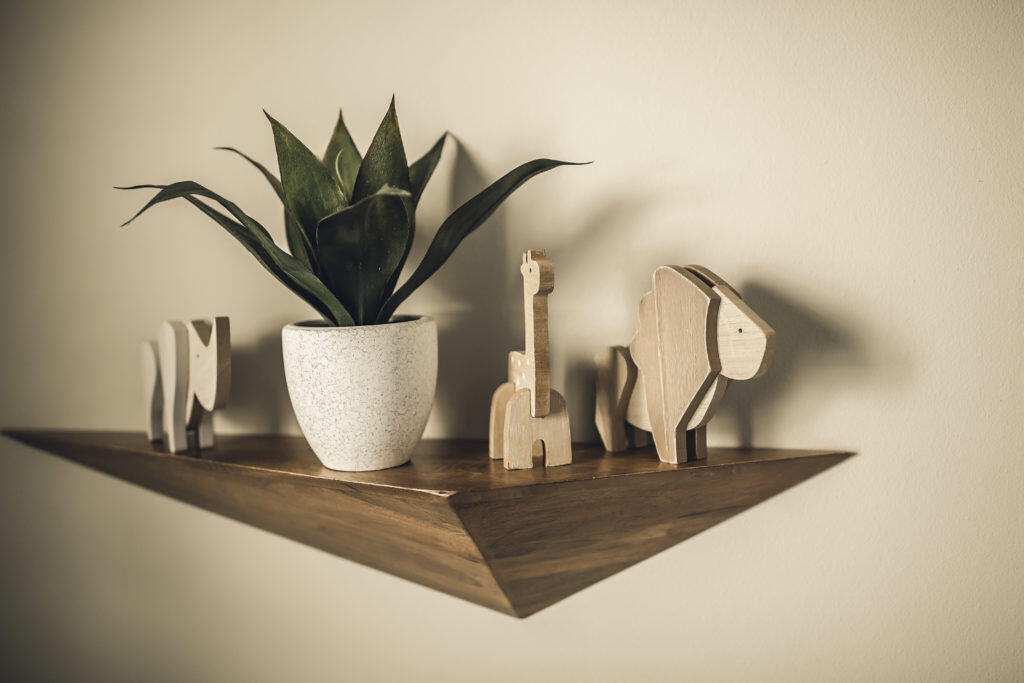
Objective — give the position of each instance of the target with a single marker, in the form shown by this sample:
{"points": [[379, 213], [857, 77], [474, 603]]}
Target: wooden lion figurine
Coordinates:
{"points": [[695, 334], [527, 415]]}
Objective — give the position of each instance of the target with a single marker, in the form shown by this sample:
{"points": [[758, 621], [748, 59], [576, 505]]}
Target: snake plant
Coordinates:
{"points": [[349, 219]]}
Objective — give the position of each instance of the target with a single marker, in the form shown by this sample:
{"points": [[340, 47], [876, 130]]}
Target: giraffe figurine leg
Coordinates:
{"points": [[523, 431], [499, 405]]}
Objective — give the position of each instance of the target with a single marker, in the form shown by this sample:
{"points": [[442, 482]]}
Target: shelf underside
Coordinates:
{"points": [[452, 519]]}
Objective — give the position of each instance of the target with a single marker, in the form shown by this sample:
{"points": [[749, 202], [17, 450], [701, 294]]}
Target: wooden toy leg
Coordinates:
{"points": [[173, 348], [557, 438], [523, 431], [152, 391], [697, 444], [499, 404], [519, 434], [672, 448], [200, 422], [616, 378], [204, 432], [636, 437], [686, 445]]}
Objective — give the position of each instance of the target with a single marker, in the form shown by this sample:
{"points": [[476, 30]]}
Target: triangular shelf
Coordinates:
{"points": [[514, 541]]}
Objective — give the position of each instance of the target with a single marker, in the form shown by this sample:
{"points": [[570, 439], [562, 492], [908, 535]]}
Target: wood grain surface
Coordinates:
{"points": [[453, 519]]}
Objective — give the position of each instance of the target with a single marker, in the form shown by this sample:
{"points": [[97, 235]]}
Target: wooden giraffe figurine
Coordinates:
{"points": [[527, 416]]}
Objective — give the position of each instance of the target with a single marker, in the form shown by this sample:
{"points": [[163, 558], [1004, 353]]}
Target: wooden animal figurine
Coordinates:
{"points": [[695, 334], [186, 375], [527, 415], [153, 391]]}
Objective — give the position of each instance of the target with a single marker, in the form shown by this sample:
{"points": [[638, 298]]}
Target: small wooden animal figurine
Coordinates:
{"points": [[186, 375], [695, 334], [527, 415]]}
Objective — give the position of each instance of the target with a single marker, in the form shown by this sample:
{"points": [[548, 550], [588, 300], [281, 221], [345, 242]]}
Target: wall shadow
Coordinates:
{"points": [[477, 325], [601, 244], [580, 393], [259, 400], [480, 316]]}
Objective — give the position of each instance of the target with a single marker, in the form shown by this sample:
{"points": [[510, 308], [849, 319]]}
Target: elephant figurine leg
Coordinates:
{"points": [[152, 391], [173, 347], [200, 421]]}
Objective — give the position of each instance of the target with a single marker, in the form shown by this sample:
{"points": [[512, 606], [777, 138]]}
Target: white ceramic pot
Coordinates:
{"points": [[362, 394]]}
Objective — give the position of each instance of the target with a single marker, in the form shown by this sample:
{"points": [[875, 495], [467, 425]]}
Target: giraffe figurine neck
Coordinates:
{"points": [[538, 281]]}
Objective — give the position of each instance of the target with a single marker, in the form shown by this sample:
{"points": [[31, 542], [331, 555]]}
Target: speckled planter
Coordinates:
{"points": [[362, 394]]}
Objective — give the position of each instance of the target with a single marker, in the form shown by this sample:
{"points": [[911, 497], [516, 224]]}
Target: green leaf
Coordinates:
{"points": [[298, 244], [423, 168], [342, 156], [361, 247], [385, 163], [311, 192], [338, 172], [419, 175], [461, 223], [289, 270]]}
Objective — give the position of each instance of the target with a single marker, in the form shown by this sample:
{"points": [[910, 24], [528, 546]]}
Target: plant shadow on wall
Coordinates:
{"points": [[477, 325]]}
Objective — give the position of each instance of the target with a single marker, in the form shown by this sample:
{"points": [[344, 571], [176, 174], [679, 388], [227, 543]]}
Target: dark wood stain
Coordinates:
{"points": [[454, 520]]}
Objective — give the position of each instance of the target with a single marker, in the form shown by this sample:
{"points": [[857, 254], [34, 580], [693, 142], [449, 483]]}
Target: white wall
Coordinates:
{"points": [[854, 168]]}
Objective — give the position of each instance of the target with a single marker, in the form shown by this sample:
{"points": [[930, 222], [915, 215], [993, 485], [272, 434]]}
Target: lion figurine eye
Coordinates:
{"points": [[741, 330]]}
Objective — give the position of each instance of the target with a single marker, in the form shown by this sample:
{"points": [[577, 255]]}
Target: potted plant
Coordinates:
{"points": [[361, 379]]}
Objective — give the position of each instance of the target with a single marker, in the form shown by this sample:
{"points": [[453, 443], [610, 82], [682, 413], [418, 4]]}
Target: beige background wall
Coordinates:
{"points": [[855, 169]]}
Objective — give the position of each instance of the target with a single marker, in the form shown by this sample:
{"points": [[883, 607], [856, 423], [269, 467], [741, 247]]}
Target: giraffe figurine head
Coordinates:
{"points": [[538, 273]]}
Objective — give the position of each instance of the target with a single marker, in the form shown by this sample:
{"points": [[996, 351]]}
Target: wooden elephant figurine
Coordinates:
{"points": [[186, 375], [695, 333]]}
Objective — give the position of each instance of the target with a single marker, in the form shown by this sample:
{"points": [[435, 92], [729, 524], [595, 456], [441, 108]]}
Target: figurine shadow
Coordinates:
{"points": [[259, 400], [581, 385], [483, 316], [598, 246], [806, 340]]}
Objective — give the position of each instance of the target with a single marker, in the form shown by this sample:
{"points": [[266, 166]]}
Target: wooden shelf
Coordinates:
{"points": [[514, 541]]}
